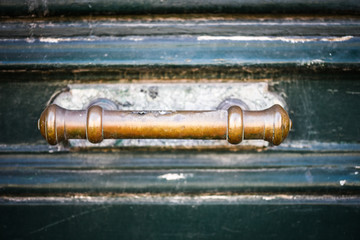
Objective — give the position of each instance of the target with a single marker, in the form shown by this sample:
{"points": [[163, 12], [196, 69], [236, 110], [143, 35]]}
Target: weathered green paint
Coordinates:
{"points": [[177, 51], [306, 188], [193, 221], [101, 7], [179, 173], [149, 25]]}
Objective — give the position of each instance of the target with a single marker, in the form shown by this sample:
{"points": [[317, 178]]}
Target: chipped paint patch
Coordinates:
{"points": [[268, 198], [136, 39], [154, 199], [283, 39], [71, 39], [49, 40], [175, 176], [289, 39], [304, 145]]}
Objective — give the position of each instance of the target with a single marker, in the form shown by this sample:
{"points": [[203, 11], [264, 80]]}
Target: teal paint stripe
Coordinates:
{"points": [[180, 173], [178, 50]]}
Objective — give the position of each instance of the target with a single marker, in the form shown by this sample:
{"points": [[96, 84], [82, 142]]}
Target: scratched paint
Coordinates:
{"points": [[223, 25], [182, 50]]}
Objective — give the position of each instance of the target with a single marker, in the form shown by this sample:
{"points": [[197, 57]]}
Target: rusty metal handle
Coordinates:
{"points": [[95, 124]]}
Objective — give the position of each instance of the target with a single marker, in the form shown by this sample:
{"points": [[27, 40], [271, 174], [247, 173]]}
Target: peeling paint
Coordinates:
{"points": [[283, 39], [174, 176], [50, 40], [156, 199]]}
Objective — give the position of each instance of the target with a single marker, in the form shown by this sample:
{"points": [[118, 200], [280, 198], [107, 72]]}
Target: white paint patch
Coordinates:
{"points": [[283, 39], [337, 39], [30, 40], [136, 39], [268, 198], [316, 61], [173, 176], [49, 40], [57, 40], [342, 182], [214, 197], [183, 200]]}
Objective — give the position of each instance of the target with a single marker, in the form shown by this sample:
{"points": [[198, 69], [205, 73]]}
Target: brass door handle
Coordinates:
{"points": [[95, 124]]}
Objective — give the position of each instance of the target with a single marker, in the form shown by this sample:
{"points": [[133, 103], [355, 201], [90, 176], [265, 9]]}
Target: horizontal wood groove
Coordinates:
{"points": [[112, 7]]}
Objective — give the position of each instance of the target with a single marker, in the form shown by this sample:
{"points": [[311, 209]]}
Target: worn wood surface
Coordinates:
{"points": [[176, 24], [178, 51], [96, 7], [179, 172]]}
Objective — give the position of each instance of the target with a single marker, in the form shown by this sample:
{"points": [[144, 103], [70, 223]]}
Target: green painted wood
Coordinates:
{"points": [[177, 51], [223, 25], [100, 7], [308, 187], [192, 221], [179, 173]]}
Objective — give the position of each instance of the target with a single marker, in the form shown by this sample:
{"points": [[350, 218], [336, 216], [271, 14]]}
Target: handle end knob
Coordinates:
{"points": [[47, 124], [272, 124], [280, 125]]}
